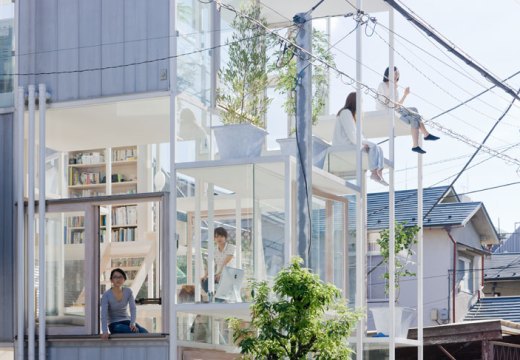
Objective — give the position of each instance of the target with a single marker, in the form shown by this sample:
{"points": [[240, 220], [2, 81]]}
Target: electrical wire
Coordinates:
{"points": [[473, 156]]}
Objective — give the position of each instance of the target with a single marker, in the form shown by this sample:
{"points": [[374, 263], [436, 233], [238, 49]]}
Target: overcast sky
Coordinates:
{"points": [[489, 34]]}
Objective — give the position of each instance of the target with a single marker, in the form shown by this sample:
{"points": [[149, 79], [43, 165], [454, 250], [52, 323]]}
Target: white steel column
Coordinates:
{"points": [[391, 193], [196, 233], [238, 230], [20, 224], [360, 203], [288, 213], [420, 248], [172, 210], [211, 243], [41, 216], [30, 225]]}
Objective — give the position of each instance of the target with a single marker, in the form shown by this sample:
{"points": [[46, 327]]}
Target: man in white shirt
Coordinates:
{"points": [[224, 256]]}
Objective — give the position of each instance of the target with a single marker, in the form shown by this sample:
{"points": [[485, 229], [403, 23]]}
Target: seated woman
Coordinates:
{"points": [[114, 303], [345, 134], [224, 256], [408, 115]]}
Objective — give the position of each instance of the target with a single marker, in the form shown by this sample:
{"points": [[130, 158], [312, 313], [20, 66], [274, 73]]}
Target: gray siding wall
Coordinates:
{"points": [[6, 229], [113, 349], [79, 47]]}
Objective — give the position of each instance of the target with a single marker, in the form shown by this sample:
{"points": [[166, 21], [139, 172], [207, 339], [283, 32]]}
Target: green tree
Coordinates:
{"points": [[285, 70], [298, 317], [405, 238], [243, 79]]}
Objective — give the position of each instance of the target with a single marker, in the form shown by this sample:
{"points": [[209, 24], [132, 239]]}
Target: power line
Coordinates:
{"points": [[429, 30], [473, 156]]}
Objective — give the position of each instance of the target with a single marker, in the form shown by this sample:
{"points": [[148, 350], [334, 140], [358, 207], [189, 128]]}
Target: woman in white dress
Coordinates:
{"points": [[345, 134], [409, 115]]}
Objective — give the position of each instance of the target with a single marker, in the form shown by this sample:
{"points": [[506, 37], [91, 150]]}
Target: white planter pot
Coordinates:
{"points": [[239, 140], [319, 149], [403, 320]]}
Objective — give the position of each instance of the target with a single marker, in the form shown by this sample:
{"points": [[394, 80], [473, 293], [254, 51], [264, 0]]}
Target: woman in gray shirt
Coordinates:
{"points": [[114, 302]]}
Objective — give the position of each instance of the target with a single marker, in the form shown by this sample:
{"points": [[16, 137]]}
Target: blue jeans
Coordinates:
{"points": [[412, 119], [123, 327]]}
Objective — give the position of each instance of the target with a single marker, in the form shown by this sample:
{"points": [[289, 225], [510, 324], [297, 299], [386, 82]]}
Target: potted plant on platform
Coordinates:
{"points": [[243, 80], [285, 70], [405, 238]]}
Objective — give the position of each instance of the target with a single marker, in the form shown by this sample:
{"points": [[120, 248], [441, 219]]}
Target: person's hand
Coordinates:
{"points": [[217, 277], [105, 336], [366, 148], [204, 278], [406, 91], [133, 328]]}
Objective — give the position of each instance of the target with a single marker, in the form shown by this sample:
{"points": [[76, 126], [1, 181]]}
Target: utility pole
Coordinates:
{"points": [[303, 136]]}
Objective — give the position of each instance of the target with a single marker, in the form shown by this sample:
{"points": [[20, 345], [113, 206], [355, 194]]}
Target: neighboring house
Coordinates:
{"points": [[455, 236], [510, 245], [502, 275]]}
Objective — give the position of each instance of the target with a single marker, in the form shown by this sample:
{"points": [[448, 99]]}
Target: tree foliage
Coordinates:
{"points": [[285, 69], [243, 79], [405, 238], [298, 317]]}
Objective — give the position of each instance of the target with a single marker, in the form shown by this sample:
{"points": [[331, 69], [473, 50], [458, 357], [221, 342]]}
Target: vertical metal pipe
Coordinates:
{"points": [[172, 211], [41, 216], [288, 213], [211, 243], [30, 225], [198, 250], [391, 193], [420, 255], [304, 138], [360, 203], [238, 226], [20, 224]]}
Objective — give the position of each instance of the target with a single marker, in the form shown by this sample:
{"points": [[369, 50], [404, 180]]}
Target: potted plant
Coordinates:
{"points": [[300, 316], [405, 238], [285, 70], [243, 80]]}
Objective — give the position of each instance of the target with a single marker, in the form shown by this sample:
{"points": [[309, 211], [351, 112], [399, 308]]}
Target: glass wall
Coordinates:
{"points": [[6, 53], [195, 64], [247, 201], [65, 268], [84, 242]]}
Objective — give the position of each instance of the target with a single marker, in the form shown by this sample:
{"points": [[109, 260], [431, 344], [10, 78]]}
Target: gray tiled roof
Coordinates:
{"points": [[502, 267], [445, 213], [505, 308]]}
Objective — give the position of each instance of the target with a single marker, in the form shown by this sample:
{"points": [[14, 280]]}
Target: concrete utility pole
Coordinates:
{"points": [[303, 137]]}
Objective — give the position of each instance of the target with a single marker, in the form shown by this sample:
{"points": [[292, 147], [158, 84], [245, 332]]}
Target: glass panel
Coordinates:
{"points": [[65, 266], [352, 220], [130, 240], [339, 239], [319, 230], [248, 202], [199, 328], [6, 54], [194, 74]]}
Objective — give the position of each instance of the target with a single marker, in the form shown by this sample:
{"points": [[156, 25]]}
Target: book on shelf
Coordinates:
{"points": [[87, 157], [124, 154], [123, 234], [124, 215]]}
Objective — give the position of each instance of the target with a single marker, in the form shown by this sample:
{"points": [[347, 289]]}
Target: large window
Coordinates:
{"points": [[84, 241]]}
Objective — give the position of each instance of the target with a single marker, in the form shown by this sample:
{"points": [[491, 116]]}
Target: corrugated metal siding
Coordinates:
{"points": [[6, 229], [74, 35], [108, 350], [505, 308]]}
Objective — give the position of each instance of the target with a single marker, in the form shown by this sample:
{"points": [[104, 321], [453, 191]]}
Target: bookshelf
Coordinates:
{"points": [[98, 172]]}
